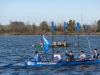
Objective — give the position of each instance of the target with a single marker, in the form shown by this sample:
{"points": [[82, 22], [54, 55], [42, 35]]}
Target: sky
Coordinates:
{"points": [[36, 11]]}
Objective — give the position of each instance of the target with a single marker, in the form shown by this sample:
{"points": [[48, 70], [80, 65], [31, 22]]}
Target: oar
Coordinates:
{"points": [[65, 33], [12, 64], [78, 30], [16, 63], [8, 65], [52, 28], [84, 26]]}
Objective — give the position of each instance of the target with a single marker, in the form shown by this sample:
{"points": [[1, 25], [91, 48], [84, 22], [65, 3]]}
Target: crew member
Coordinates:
{"points": [[37, 58], [82, 56], [41, 42], [70, 55], [54, 43], [57, 56], [64, 43], [59, 42], [96, 54]]}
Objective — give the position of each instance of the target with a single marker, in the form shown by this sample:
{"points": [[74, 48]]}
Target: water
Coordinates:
{"points": [[16, 49]]}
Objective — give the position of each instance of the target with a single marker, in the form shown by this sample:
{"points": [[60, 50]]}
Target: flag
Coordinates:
{"points": [[45, 44]]}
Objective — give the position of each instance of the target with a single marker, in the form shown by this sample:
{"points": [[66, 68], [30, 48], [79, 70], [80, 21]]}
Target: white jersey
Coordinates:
{"points": [[58, 56], [83, 56]]}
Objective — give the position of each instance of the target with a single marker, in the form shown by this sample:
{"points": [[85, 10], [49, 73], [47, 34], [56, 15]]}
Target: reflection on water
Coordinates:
{"points": [[16, 49]]}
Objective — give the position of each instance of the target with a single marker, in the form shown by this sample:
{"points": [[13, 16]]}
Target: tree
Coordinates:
{"points": [[59, 29], [98, 26], [1, 29], [71, 26], [88, 29], [94, 27], [34, 28], [16, 27], [44, 27]]}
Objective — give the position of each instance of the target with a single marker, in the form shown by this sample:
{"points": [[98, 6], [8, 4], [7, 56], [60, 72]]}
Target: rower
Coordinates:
{"points": [[96, 54], [54, 43], [70, 55], [59, 42], [64, 43], [40, 42], [37, 58], [82, 56], [57, 56]]}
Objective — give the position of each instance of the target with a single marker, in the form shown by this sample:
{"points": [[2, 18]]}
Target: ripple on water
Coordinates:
{"points": [[16, 49]]}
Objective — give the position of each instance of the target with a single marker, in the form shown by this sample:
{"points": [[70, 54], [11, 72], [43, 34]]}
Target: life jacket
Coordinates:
{"points": [[37, 58]]}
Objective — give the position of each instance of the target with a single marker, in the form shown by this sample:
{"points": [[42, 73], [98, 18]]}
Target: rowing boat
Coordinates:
{"points": [[53, 46], [85, 62]]}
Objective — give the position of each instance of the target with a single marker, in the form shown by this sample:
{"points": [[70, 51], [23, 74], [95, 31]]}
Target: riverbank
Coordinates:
{"points": [[48, 34]]}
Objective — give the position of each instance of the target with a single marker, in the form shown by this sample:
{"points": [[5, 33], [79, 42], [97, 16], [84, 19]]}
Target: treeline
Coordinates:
{"points": [[21, 28]]}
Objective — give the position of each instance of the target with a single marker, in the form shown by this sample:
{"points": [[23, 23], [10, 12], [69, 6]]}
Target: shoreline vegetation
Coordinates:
{"points": [[6, 34], [21, 28]]}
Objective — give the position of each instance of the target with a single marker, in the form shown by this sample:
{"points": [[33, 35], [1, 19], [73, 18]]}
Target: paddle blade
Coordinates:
{"points": [[8, 65], [78, 27], [84, 26], [52, 26], [64, 26]]}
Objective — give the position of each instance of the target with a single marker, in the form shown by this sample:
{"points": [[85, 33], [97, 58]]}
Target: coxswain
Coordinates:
{"points": [[57, 56], [82, 56], [70, 55], [59, 42], [37, 57]]}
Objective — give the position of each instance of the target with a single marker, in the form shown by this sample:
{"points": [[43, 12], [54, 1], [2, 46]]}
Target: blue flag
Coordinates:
{"points": [[45, 44]]}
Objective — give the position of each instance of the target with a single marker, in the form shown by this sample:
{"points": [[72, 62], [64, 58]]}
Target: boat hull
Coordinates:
{"points": [[56, 46], [86, 62]]}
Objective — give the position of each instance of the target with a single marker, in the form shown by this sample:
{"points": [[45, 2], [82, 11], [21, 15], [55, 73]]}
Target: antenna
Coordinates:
{"points": [[81, 19], [59, 18]]}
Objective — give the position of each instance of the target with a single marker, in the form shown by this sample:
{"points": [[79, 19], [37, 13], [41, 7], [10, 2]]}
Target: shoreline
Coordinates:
{"points": [[47, 34]]}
